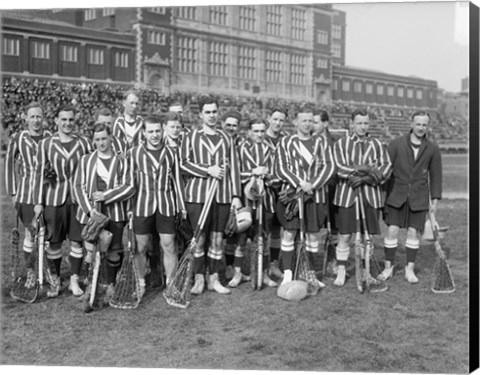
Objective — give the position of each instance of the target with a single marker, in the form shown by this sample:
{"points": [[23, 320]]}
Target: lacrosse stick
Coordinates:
{"points": [[257, 279], [127, 287], [442, 281], [372, 268], [358, 248], [303, 270], [178, 290], [329, 256], [25, 287]]}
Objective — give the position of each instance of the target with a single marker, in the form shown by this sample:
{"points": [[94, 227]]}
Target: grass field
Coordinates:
{"points": [[406, 329]]}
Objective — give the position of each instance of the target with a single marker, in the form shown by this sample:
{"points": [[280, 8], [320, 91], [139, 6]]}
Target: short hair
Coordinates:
{"points": [[278, 108], [172, 116], [66, 108], [207, 99], [103, 112], [257, 120], [152, 119], [304, 109], [421, 113], [33, 105], [324, 117], [100, 128], [233, 114], [131, 92], [359, 112]]}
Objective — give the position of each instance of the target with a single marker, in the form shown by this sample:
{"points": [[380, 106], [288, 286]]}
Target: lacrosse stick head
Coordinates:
{"points": [[178, 290], [442, 281]]}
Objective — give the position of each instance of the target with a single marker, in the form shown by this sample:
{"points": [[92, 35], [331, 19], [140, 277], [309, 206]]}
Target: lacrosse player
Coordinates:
{"points": [[158, 196], [304, 164], [256, 159], [102, 176], [416, 179], [22, 148], [105, 116], [209, 153], [172, 128], [276, 120], [362, 165], [128, 126], [54, 196]]}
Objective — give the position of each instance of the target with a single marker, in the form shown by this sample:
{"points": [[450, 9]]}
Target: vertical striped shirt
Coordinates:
{"points": [[120, 131]]}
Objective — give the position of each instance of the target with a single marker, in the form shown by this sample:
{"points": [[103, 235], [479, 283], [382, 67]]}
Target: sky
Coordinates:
{"points": [[427, 40], [424, 39]]}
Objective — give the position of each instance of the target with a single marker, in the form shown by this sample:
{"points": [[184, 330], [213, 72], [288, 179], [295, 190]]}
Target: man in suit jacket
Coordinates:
{"points": [[55, 197], [158, 197], [128, 126], [22, 149], [209, 153], [102, 184], [414, 188]]}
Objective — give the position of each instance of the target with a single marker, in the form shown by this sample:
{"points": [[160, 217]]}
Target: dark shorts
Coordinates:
{"points": [[156, 223], [61, 223], [404, 217], [216, 219], [315, 217], [25, 213], [347, 222], [116, 228]]}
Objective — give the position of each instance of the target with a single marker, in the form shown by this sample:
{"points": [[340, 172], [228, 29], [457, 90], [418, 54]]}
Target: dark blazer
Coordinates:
{"points": [[414, 179]]}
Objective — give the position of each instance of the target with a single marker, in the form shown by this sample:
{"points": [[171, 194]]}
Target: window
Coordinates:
{"points": [[369, 88], [274, 19], [186, 12], [336, 50], [335, 84], [156, 37], [121, 59], [357, 86], [159, 10], [346, 85], [322, 63], [187, 55], [69, 53], [41, 50], [218, 59], [273, 65], [247, 17], [400, 92], [11, 47], [95, 56], [337, 32], [297, 69], [90, 14], [419, 94], [379, 89], [298, 24], [322, 37], [108, 12], [390, 90], [218, 15], [246, 62], [409, 93]]}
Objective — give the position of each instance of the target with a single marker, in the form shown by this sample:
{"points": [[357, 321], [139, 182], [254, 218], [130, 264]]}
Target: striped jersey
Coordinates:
{"points": [[119, 130], [156, 181], [253, 155], [350, 151], [20, 162], [116, 178], [198, 153], [64, 163], [294, 163]]}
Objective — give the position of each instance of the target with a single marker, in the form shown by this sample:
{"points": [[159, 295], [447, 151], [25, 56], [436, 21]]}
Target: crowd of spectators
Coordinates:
{"points": [[88, 97]]}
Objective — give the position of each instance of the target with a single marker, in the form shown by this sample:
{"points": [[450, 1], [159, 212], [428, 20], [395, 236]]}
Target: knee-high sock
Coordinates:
{"points": [[390, 249], [411, 248], [342, 255], [287, 254]]}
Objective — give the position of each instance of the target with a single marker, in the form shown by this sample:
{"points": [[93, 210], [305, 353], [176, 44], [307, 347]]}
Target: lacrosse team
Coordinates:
{"points": [[155, 171]]}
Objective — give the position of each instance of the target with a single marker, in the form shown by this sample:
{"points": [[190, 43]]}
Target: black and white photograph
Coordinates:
{"points": [[233, 188]]}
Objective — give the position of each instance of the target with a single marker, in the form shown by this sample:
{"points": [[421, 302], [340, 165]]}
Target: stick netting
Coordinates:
{"points": [[329, 259], [178, 290], [304, 272], [127, 287], [442, 279], [376, 285]]}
